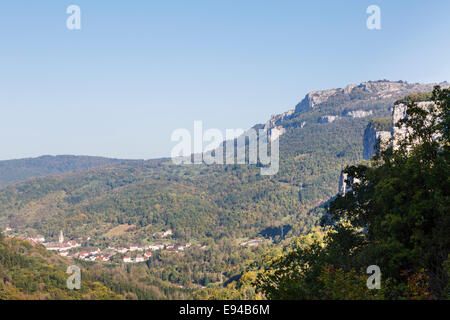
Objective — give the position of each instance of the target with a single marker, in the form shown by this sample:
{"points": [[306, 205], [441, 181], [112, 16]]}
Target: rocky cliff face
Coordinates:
{"points": [[358, 114], [350, 114], [314, 98], [274, 130], [346, 183], [342, 189], [399, 112], [386, 131], [328, 119], [275, 119], [371, 137], [353, 101], [378, 131], [371, 90]]}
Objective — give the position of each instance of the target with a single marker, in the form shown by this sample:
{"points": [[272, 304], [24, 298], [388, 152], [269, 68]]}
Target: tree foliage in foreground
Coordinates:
{"points": [[396, 217]]}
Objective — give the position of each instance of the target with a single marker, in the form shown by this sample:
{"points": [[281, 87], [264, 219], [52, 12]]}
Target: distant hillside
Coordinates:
{"points": [[12, 171]]}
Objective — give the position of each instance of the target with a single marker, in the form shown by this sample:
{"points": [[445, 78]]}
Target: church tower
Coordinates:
{"points": [[61, 237]]}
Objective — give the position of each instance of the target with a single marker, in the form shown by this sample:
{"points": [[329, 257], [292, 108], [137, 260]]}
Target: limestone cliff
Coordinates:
{"points": [[358, 113], [399, 133], [328, 119], [272, 126], [386, 130], [368, 99], [378, 130], [346, 183], [314, 98], [370, 90]]}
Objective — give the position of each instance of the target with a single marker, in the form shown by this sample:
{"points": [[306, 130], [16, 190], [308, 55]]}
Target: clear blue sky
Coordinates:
{"points": [[137, 70]]}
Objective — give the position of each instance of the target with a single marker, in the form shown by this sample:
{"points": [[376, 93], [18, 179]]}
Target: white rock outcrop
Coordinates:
{"points": [[382, 89], [370, 140], [277, 118], [328, 119], [358, 114], [272, 127], [399, 113], [276, 132], [346, 183], [314, 98]]}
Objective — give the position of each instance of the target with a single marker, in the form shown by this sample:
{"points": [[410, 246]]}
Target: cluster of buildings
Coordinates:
{"points": [[163, 234], [62, 246], [154, 247], [132, 254], [135, 247], [95, 255], [138, 258]]}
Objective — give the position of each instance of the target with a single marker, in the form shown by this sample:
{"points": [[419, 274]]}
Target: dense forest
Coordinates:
{"points": [[29, 272]]}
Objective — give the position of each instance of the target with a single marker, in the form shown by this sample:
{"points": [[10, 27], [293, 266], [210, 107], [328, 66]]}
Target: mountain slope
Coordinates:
{"points": [[320, 136], [12, 171], [29, 272]]}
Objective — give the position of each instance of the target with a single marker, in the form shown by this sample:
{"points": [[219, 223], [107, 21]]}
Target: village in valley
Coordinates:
{"points": [[76, 248]]}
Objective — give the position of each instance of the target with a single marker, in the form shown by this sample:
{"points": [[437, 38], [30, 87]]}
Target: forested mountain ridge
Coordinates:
{"points": [[234, 199], [12, 171]]}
